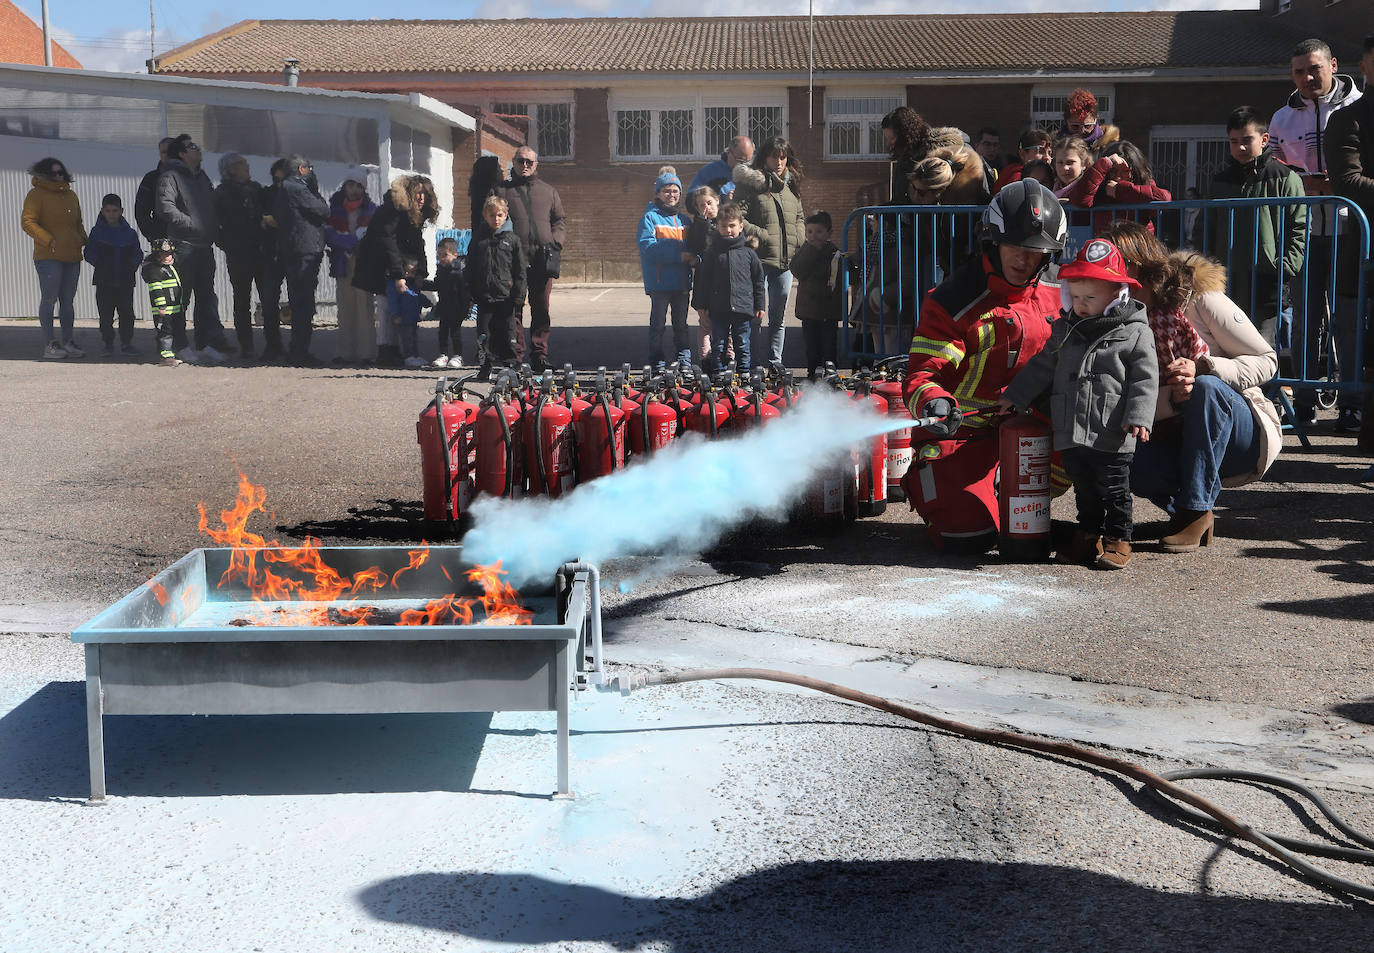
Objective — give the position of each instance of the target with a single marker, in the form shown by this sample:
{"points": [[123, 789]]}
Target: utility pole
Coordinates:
{"points": [[152, 40], [47, 37]]}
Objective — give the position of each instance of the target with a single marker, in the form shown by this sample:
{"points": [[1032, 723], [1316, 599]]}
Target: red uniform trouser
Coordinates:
{"points": [[951, 483]]}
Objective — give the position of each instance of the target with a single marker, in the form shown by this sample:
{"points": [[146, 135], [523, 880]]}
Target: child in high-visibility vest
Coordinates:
{"points": [[168, 299]]}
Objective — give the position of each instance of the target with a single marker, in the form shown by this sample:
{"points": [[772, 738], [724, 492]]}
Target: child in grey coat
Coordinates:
{"points": [[1100, 369]]}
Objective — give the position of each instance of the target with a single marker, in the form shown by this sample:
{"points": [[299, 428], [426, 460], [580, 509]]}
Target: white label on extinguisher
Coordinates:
{"points": [[1028, 514], [834, 495], [880, 481], [898, 462], [1033, 458]]}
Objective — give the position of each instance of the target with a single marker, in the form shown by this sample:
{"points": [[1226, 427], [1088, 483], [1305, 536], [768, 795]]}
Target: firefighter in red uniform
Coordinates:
{"points": [[976, 330]]}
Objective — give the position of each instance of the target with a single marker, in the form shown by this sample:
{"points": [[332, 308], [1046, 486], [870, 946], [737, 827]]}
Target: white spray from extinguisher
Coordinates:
{"points": [[681, 500]]}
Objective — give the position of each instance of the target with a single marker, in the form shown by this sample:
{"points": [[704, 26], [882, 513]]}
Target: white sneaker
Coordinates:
{"points": [[54, 352], [72, 350], [455, 361], [188, 355], [440, 361], [414, 363], [213, 355]]}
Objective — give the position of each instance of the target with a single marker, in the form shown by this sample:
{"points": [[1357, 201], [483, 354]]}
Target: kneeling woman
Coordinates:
{"points": [[1214, 426]]}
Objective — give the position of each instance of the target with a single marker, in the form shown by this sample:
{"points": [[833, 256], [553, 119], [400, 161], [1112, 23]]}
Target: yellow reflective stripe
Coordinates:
{"points": [[951, 351], [973, 376]]}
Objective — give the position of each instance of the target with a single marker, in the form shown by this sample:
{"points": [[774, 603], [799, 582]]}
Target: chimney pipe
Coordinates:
{"points": [[291, 75]]}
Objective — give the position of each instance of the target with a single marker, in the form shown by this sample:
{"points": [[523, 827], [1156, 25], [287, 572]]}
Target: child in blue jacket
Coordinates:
{"points": [[114, 252], [667, 266]]}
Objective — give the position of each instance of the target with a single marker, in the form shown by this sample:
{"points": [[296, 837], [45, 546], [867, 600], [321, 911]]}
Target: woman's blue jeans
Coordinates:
{"points": [[779, 287], [57, 287], [660, 303], [1217, 437]]}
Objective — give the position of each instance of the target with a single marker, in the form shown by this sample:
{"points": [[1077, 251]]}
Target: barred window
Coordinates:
{"points": [[765, 122], [632, 129], [722, 125], [550, 126], [854, 124], [1047, 106], [675, 132]]}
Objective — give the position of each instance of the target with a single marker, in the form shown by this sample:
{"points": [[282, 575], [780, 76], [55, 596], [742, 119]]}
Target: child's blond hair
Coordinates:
{"points": [[495, 201], [1075, 145]]}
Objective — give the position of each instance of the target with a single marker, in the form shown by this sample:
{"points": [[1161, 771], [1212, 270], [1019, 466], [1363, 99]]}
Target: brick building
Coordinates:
{"points": [[608, 101], [21, 40]]}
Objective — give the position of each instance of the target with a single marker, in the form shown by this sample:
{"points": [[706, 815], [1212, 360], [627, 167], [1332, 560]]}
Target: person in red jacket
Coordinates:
{"points": [[977, 329], [1122, 176]]}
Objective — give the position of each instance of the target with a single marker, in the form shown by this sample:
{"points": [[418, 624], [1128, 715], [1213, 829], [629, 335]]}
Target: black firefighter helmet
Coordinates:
{"points": [[1024, 213]]}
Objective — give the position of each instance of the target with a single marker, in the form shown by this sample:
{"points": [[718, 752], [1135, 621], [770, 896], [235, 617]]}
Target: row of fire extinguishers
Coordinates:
{"points": [[542, 435]]}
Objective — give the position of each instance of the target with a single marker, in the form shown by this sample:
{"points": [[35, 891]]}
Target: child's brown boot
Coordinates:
{"points": [[1116, 554]]}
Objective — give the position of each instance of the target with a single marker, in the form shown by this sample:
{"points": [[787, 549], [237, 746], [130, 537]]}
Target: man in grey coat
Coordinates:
{"points": [[300, 212], [1103, 377], [185, 210]]}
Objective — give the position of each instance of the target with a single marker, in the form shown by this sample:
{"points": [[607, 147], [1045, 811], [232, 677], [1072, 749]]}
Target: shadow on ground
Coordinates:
{"points": [[934, 905], [43, 752]]}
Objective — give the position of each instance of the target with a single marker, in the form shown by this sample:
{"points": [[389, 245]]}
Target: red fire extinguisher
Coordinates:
{"points": [[654, 424], [446, 453], [872, 458], [1023, 494], [755, 410], [713, 414], [600, 435], [548, 443], [500, 444], [899, 452]]}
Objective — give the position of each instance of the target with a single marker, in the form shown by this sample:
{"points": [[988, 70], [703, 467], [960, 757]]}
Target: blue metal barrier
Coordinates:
{"points": [[463, 236], [904, 250]]}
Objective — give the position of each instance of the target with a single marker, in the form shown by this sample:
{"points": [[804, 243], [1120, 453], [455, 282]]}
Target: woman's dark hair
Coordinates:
{"points": [[778, 146], [421, 183], [46, 169], [909, 130], [1168, 283], [486, 175], [1135, 159]]}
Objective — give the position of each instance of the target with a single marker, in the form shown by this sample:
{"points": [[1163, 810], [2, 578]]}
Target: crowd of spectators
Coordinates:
{"points": [[280, 233]]}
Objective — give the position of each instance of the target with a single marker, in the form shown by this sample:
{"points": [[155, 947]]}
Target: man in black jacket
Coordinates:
{"points": [[300, 212], [145, 216], [185, 209], [538, 220], [1349, 148]]}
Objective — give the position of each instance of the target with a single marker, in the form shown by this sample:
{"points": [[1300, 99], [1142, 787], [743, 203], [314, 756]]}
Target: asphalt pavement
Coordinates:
{"points": [[802, 823]]}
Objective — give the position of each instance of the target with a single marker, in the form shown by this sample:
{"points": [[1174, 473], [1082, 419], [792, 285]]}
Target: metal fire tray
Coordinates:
{"points": [[179, 646]]}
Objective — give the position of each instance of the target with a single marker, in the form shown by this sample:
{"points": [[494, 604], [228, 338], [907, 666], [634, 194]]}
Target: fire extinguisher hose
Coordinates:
{"points": [[1163, 787], [508, 440], [644, 424], [445, 453], [539, 444], [605, 403]]}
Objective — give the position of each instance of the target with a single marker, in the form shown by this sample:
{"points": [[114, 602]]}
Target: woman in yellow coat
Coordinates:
{"points": [[52, 218]]}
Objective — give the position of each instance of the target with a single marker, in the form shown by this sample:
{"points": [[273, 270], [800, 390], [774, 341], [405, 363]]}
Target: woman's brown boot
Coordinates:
{"points": [[1190, 530], [1116, 554], [1083, 550]]}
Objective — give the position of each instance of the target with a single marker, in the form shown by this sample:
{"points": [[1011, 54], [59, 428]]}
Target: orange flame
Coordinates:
{"points": [[331, 594]]}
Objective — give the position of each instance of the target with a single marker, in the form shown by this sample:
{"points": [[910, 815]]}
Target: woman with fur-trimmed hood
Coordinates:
{"points": [[966, 186], [1214, 426]]}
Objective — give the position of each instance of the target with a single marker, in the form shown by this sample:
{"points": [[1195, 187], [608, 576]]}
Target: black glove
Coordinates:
{"points": [[945, 408]]}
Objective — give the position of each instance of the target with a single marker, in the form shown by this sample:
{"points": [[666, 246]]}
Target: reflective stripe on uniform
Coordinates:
{"points": [[951, 351]]}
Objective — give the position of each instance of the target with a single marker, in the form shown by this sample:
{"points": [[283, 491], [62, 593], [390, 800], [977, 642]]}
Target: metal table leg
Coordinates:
{"points": [[95, 729]]}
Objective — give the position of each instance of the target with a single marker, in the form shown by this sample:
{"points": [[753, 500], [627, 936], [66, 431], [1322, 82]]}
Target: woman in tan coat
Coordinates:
{"points": [[52, 218], [1214, 427]]}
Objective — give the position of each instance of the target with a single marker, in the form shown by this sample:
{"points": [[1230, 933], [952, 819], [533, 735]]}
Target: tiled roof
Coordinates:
{"points": [[21, 40], [1055, 42]]}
